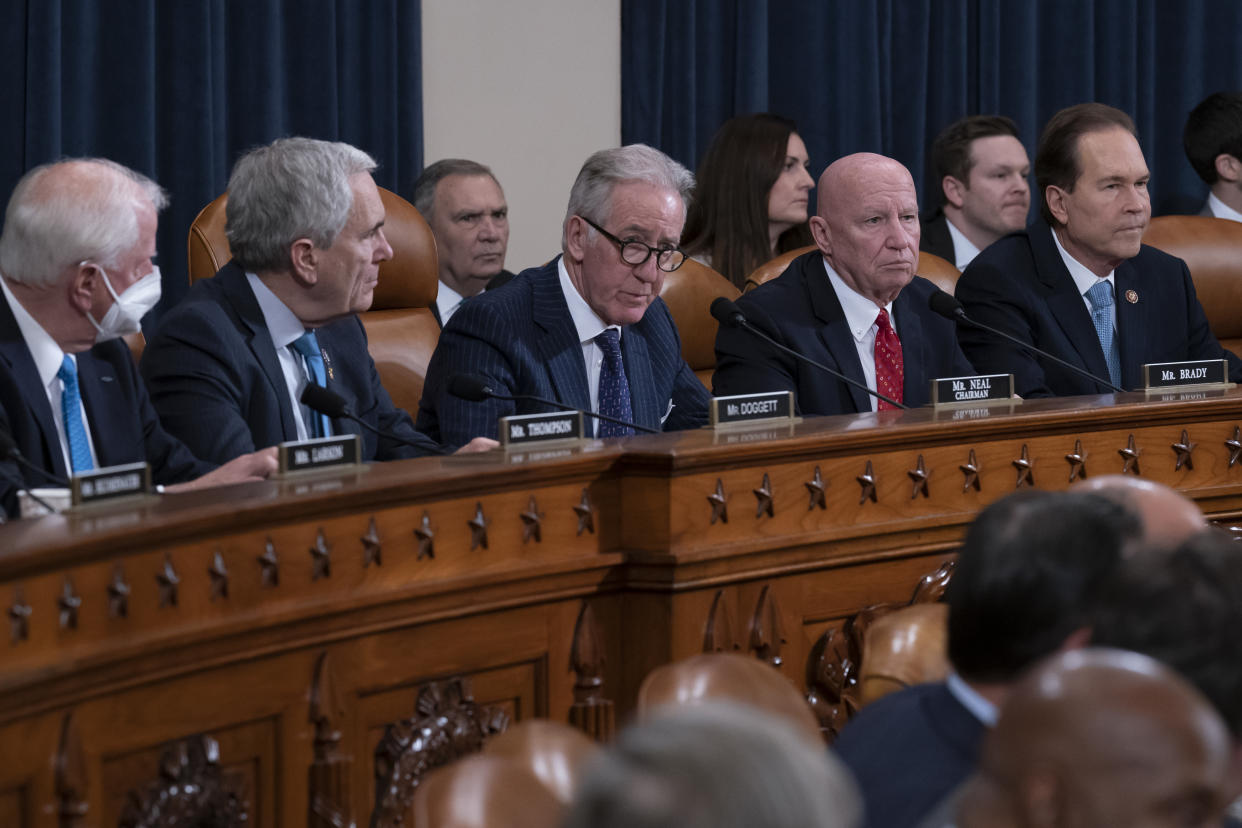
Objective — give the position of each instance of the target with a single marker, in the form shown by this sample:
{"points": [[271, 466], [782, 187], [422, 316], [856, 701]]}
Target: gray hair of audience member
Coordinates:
{"points": [[591, 195], [293, 188], [424, 190], [55, 220], [715, 765]]}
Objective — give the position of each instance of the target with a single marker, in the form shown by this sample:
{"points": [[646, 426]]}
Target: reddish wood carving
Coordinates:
{"points": [[190, 790], [447, 724], [1077, 460], [70, 766], [718, 631], [591, 712], [719, 502], [1184, 449], [767, 633], [329, 774], [1025, 467], [1130, 457]]}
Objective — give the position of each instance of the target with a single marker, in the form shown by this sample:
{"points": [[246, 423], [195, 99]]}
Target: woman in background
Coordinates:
{"points": [[750, 200]]}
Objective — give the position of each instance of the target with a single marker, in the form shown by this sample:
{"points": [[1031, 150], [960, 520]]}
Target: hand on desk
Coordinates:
{"points": [[478, 444], [245, 469]]}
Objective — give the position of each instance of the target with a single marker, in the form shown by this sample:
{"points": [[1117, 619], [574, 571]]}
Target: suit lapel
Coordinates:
{"points": [[236, 290], [1066, 303], [559, 346], [21, 366], [646, 408], [1133, 319], [914, 383], [106, 410], [835, 330]]}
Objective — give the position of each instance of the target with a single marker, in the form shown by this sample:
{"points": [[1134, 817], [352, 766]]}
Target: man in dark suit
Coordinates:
{"points": [[1078, 282], [227, 367], [838, 305], [982, 170], [589, 329], [1213, 143], [1027, 577], [75, 256]]}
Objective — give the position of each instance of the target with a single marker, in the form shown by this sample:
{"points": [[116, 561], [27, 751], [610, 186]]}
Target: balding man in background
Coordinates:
{"points": [[1167, 516], [854, 304]]}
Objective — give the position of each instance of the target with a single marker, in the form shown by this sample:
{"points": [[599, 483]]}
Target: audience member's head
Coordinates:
{"points": [[715, 766], [1101, 737], [466, 208], [752, 198], [1213, 138], [626, 211], [306, 217], [1092, 181], [867, 224], [983, 169], [485, 791], [1167, 516], [1028, 575], [78, 235]]}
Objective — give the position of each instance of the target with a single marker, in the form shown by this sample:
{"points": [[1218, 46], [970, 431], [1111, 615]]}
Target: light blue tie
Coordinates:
{"points": [[1104, 314], [308, 346], [71, 408]]}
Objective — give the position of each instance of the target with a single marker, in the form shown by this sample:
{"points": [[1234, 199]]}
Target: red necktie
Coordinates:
{"points": [[889, 365]]}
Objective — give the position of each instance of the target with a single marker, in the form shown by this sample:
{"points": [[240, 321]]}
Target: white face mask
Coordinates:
{"points": [[125, 315]]}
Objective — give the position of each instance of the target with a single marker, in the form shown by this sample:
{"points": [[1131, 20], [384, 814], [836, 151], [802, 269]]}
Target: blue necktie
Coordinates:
{"points": [[614, 389], [71, 408], [308, 346], [1103, 315]]}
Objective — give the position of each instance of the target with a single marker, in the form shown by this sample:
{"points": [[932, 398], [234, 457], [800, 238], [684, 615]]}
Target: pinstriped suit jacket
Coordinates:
{"points": [[521, 338]]}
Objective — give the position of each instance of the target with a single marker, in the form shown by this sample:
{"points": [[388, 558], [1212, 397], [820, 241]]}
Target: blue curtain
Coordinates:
{"points": [[887, 75], [178, 90]]}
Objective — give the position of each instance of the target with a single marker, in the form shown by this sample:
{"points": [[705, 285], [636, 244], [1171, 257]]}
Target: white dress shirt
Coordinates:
{"points": [[589, 325], [979, 707], [447, 302], [1083, 278], [284, 328], [1222, 210], [860, 315], [964, 249]]}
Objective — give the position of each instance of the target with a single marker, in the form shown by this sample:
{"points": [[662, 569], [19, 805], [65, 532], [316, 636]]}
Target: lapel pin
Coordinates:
{"points": [[327, 361], [1132, 297]]}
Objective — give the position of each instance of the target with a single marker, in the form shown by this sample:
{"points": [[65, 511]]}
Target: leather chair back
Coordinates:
{"points": [[1212, 250], [554, 752], [401, 330], [931, 267], [904, 647], [688, 291], [485, 792]]}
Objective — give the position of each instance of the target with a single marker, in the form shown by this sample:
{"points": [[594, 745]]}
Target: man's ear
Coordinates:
{"points": [[304, 258], [81, 286], [821, 234], [954, 191], [1057, 199], [576, 232], [1228, 167]]}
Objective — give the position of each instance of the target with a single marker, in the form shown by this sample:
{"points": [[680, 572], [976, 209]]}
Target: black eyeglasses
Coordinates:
{"points": [[634, 252]]}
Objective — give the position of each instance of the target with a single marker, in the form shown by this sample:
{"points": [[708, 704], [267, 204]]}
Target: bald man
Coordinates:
{"points": [[1168, 516], [854, 304], [1101, 737]]}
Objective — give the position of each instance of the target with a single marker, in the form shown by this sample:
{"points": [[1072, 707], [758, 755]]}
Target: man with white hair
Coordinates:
{"points": [[76, 274], [588, 329]]}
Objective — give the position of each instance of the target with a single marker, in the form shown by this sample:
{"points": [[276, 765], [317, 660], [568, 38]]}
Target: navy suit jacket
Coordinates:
{"points": [[936, 238], [124, 427], [522, 340], [909, 750], [800, 310], [1020, 285], [217, 384]]}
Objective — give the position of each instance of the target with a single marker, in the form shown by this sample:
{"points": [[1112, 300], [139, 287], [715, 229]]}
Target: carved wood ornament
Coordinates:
{"points": [[718, 631], [591, 712], [219, 575], [321, 557], [1234, 444], [815, 488], [720, 503], [329, 774], [918, 477], [372, 547], [586, 516], [1077, 460], [168, 581], [269, 567], [426, 538], [767, 631], [1025, 467], [970, 473], [70, 770], [1184, 449], [1130, 457], [190, 790], [69, 603], [867, 481], [532, 522], [118, 594], [763, 498], [478, 528], [19, 617]]}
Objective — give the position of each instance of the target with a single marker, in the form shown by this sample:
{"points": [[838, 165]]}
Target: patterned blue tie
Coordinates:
{"points": [[71, 408], [1103, 315], [614, 389], [308, 346]]}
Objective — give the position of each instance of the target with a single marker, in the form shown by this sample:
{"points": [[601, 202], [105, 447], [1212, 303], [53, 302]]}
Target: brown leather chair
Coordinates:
{"points": [[688, 291], [931, 267], [554, 752], [728, 677], [401, 330], [1212, 250], [485, 792], [904, 647]]}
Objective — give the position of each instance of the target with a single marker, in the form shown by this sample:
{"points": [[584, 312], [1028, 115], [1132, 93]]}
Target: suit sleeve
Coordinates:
{"points": [[690, 401], [170, 459], [388, 417], [746, 364], [993, 299]]}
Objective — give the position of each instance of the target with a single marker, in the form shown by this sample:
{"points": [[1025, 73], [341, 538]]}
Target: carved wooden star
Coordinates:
{"points": [[478, 528], [867, 481], [321, 557], [19, 618], [970, 473], [586, 516], [118, 594], [168, 581], [1077, 460], [372, 549], [1026, 468], [763, 498], [269, 566], [1234, 444], [532, 522], [1184, 448], [426, 538], [69, 602], [720, 503], [815, 488], [918, 476], [219, 577], [1130, 457]]}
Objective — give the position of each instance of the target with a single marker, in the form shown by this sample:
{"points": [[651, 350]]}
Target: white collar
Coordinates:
{"points": [[1083, 278], [283, 326], [47, 355], [860, 312], [586, 320], [1222, 210], [979, 707], [447, 301], [963, 248]]}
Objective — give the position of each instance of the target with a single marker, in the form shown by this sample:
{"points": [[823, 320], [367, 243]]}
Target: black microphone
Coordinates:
{"points": [[727, 313], [473, 388], [8, 449], [321, 400], [949, 307]]}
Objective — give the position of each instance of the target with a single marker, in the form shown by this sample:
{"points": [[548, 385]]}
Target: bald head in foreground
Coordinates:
{"points": [[1168, 516], [1101, 737], [854, 304]]}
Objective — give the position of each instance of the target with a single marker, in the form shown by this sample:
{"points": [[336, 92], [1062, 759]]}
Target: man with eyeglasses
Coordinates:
{"points": [[588, 329], [854, 304]]}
